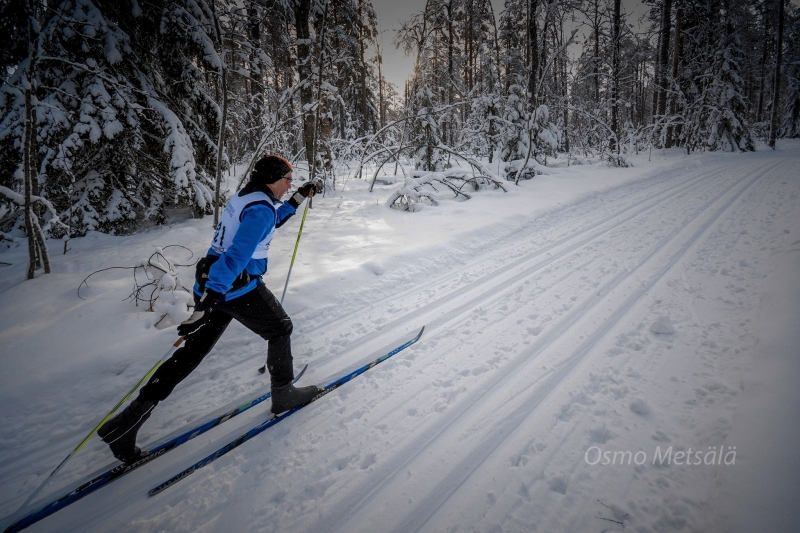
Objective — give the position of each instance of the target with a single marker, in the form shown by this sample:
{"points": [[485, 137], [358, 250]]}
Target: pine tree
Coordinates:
{"points": [[710, 90]]}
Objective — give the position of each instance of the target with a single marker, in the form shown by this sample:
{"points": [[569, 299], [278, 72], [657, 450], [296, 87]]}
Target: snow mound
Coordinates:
{"points": [[374, 267], [662, 325], [619, 512]]}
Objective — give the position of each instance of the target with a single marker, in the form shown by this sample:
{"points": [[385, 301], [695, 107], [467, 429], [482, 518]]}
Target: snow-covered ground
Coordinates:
{"points": [[653, 310]]}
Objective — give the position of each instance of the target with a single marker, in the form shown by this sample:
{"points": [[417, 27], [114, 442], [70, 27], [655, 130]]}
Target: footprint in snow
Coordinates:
{"points": [[600, 435], [368, 461], [559, 484], [660, 436], [640, 407]]}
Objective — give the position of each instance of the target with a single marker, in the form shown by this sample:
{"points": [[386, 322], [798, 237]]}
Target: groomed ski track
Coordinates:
{"points": [[468, 429]]}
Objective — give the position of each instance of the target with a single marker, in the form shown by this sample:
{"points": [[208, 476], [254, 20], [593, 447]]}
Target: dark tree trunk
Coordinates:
{"points": [[382, 108], [663, 58], [342, 116], [776, 94], [364, 103], [450, 65], [533, 49], [614, 144], [654, 106], [767, 45], [342, 120], [302, 13], [256, 70], [763, 81], [470, 65], [566, 110], [676, 54], [543, 50], [324, 137], [596, 60], [565, 89]]}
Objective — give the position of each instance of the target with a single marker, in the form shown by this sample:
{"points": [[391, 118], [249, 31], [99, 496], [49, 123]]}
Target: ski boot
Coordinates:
{"points": [[120, 432], [286, 397]]}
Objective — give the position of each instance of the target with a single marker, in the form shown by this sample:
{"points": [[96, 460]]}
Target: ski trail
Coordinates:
{"points": [[466, 296], [738, 215], [367, 495], [500, 432]]}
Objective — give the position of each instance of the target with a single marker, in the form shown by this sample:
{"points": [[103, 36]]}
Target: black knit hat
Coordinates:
{"points": [[270, 169]]}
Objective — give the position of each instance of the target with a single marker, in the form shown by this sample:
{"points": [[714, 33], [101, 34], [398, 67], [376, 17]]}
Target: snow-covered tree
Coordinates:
{"points": [[706, 100], [124, 111]]}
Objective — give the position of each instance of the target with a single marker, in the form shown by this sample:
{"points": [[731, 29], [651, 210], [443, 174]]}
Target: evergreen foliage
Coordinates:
{"points": [[129, 99], [115, 113]]}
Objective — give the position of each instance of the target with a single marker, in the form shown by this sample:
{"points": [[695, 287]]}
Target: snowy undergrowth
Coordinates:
{"points": [[623, 309]]}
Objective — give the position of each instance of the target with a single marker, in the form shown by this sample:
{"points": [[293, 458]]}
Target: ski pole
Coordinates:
{"points": [[296, 245], [294, 254], [102, 422]]}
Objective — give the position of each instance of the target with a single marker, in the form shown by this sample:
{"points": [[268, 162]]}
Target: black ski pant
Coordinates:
{"points": [[260, 312]]}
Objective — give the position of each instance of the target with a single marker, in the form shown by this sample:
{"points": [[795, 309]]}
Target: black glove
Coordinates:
{"points": [[305, 190], [202, 312]]}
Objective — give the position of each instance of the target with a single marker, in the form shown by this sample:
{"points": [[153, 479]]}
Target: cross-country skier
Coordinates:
{"points": [[229, 286]]}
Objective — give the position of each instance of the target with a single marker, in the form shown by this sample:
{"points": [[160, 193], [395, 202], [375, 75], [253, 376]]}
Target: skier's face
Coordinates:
{"points": [[280, 187]]}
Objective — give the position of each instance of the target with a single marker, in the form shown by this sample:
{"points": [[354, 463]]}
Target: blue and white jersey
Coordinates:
{"points": [[241, 241], [231, 219]]}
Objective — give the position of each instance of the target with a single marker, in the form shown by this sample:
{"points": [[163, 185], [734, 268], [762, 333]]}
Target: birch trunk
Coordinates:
{"points": [[224, 119], [37, 246]]}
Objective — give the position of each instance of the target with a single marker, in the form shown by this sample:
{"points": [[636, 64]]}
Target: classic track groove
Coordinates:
{"points": [[360, 497], [475, 290]]}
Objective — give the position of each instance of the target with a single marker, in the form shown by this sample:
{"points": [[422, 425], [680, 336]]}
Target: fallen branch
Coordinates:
{"points": [[159, 273]]}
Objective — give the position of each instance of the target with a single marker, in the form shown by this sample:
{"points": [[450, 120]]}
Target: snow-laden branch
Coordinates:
{"points": [[20, 201]]}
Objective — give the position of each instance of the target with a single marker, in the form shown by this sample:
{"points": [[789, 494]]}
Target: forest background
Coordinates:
{"points": [[116, 115]]}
